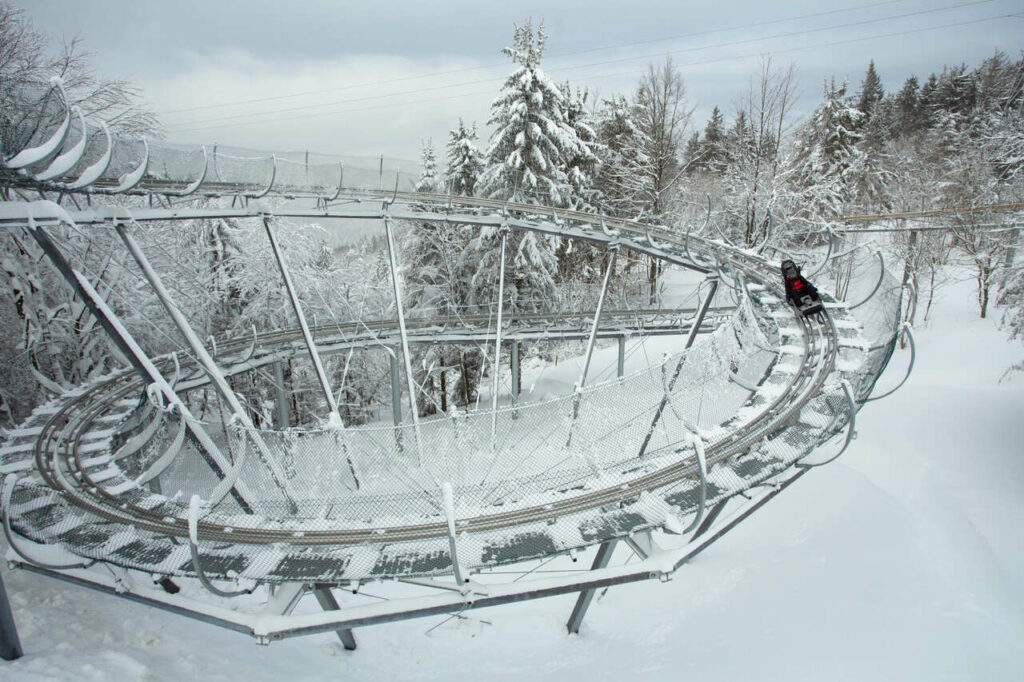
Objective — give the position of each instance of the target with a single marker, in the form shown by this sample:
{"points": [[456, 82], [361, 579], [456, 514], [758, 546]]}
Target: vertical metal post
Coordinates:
{"points": [[514, 364], [497, 339], [321, 375], [396, 388], [10, 645], [679, 365], [709, 519], [613, 250], [281, 397], [328, 603], [604, 555], [124, 342], [212, 371], [396, 283], [453, 547], [621, 369]]}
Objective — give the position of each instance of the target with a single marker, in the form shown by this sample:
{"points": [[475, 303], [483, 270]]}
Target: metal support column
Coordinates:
{"points": [[604, 555], [620, 370], [679, 365], [307, 336], [281, 397], [514, 365], [329, 603], [497, 340], [212, 370], [396, 388], [613, 250], [396, 283], [124, 342], [10, 645]]}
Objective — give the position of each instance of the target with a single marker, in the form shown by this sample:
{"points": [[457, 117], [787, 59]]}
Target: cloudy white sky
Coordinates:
{"points": [[369, 78]]}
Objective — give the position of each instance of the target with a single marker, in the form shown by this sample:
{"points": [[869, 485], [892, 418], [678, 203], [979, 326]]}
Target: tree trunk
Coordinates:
{"points": [[652, 278], [444, 390]]}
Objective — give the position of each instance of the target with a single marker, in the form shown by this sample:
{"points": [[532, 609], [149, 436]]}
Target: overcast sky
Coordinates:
{"points": [[368, 78]]}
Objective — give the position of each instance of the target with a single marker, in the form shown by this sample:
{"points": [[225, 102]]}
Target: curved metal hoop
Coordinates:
{"points": [[69, 159], [686, 236], [881, 276], [5, 506], [193, 546], [702, 467], [27, 157], [908, 331], [851, 429], [129, 181], [341, 184], [832, 238], [266, 190], [93, 172], [912, 313], [191, 189]]}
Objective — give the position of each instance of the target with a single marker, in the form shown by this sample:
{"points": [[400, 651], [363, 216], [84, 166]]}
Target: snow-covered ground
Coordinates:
{"points": [[903, 560]]}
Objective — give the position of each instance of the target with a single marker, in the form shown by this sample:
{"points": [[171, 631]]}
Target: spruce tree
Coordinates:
{"points": [[464, 163], [532, 139], [428, 181], [828, 159], [581, 165], [621, 179], [870, 92]]}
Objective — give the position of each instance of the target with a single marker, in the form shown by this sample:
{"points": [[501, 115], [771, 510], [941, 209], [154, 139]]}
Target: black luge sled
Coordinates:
{"points": [[809, 306]]}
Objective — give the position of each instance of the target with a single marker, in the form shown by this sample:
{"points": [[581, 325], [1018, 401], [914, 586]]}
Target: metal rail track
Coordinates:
{"points": [[59, 460]]}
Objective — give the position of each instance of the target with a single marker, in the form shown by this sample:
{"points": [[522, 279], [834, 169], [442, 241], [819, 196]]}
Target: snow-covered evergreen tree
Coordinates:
{"points": [[623, 185], [710, 151], [583, 163], [532, 140], [828, 159], [464, 162], [428, 182], [525, 162], [871, 92]]}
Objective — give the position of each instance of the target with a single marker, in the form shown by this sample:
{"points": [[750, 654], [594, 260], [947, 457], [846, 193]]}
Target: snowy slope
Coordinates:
{"points": [[902, 560]]}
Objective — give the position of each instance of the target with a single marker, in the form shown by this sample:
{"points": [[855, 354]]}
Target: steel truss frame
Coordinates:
{"points": [[277, 620]]}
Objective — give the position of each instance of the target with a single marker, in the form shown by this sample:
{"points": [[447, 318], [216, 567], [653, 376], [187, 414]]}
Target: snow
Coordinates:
{"points": [[901, 560]]}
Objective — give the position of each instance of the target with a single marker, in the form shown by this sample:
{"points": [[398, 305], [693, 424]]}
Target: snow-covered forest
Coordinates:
{"points": [[947, 143]]}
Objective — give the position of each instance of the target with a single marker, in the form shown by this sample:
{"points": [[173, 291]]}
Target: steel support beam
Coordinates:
{"points": [[604, 555], [514, 365], [620, 370], [396, 282], [307, 336], [10, 645], [497, 337], [123, 341], [613, 251], [209, 366], [281, 397], [328, 603], [396, 388], [679, 365]]}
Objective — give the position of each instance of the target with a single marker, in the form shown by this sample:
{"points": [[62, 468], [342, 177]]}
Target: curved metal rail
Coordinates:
{"points": [[59, 459]]}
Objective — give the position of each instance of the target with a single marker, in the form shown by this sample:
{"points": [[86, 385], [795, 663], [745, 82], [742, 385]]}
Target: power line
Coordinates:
{"points": [[601, 76], [554, 56], [734, 43]]}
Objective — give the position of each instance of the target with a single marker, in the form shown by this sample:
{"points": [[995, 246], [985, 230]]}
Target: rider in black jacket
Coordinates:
{"points": [[796, 285]]}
